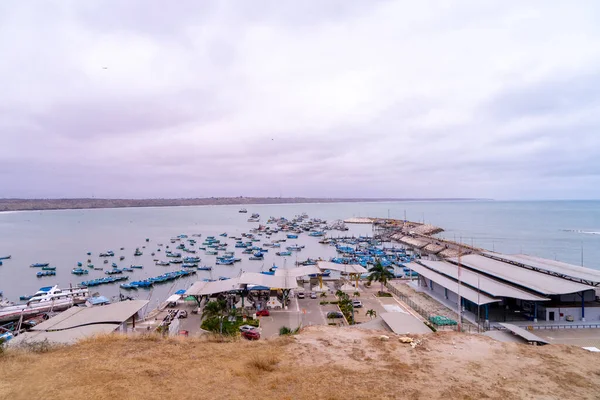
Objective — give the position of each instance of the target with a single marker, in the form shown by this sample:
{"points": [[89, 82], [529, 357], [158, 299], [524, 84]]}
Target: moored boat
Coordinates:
{"points": [[39, 265], [45, 273]]}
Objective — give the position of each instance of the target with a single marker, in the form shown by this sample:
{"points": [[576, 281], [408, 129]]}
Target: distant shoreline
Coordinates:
{"points": [[83, 203]]}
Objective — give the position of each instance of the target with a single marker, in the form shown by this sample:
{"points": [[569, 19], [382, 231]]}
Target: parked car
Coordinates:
{"points": [[335, 314], [263, 313], [247, 328], [251, 335], [313, 295], [300, 295], [356, 304]]}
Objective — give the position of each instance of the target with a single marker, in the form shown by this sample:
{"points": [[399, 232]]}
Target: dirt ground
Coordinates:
{"points": [[320, 363]]}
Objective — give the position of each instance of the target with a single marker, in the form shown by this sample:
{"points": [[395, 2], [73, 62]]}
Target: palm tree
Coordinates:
{"points": [[339, 293], [215, 309], [356, 294], [380, 274], [371, 313]]}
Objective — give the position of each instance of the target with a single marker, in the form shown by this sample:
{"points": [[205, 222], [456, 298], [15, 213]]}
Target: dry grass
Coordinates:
{"points": [[320, 363]]}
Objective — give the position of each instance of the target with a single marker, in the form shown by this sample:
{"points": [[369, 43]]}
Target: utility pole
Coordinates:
{"points": [[459, 322]]}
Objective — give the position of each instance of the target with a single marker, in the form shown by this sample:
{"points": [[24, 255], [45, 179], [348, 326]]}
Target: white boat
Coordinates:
{"points": [[48, 298]]}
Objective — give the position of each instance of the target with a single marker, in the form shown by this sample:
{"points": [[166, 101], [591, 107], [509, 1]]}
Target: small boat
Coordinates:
{"points": [[79, 264], [255, 215], [284, 253], [45, 273], [98, 269], [25, 298], [205, 268], [48, 268], [222, 261], [39, 265], [5, 257], [113, 272], [114, 265], [121, 258], [80, 271], [122, 248], [147, 239], [176, 261], [223, 234], [137, 266], [243, 211], [211, 252], [105, 261], [128, 286], [127, 269], [90, 265], [254, 258], [137, 253], [294, 247], [186, 265], [89, 253], [163, 263], [291, 236]]}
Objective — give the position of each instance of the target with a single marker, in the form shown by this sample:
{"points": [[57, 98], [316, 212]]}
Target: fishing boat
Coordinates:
{"points": [[90, 266], [227, 261], [292, 236], [45, 273], [284, 253], [137, 252], [80, 271], [211, 252], [191, 260], [25, 298], [163, 263], [48, 298], [5, 257], [316, 233], [113, 272], [48, 268], [175, 255], [121, 258], [79, 264], [105, 261], [128, 286], [138, 266], [294, 247], [186, 265], [205, 268], [223, 234], [126, 269], [176, 261], [142, 284], [39, 265], [114, 265], [243, 211]]}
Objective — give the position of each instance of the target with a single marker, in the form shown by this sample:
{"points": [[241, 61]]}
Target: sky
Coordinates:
{"points": [[328, 98]]}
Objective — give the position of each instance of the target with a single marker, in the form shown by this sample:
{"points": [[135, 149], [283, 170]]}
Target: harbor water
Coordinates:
{"points": [[564, 230]]}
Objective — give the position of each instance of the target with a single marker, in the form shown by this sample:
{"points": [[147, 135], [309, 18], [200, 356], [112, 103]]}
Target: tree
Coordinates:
{"points": [[380, 274], [356, 294], [215, 309], [371, 313]]}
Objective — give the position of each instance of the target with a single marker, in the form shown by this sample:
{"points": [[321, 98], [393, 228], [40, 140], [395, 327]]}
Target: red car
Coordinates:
{"points": [[263, 313], [251, 335]]}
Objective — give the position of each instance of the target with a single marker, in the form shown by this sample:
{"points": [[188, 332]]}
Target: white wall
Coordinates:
{"points": [[591, 313]]}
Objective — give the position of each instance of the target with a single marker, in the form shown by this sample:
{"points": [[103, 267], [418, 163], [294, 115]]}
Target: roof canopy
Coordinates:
{"points": [[534, 280], [486, 284], [450, 284], [347, 268]]}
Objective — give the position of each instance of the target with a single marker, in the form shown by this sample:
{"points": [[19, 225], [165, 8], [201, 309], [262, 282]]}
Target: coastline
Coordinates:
{"points": [[14, 205]]}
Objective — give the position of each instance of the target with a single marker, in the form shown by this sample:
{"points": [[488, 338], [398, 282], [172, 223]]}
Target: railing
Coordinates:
{"points": [[566, 326]]}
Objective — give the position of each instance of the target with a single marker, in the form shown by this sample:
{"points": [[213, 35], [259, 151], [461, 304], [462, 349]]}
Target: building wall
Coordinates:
{"points": [[591, 313]]}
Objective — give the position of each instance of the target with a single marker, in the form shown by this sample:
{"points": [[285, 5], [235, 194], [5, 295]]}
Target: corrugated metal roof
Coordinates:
{"points": [[536, 281], [465, 291], [525, 334], [272, 281], [202, 288], [559, 267], [404, 324], [68, 336], [486, 284], [299, 271], [348, 268], [116, 313]]}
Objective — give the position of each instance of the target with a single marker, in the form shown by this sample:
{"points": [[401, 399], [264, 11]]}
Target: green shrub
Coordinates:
{"points": [[324, 302], [334, 302], [384, 294]]}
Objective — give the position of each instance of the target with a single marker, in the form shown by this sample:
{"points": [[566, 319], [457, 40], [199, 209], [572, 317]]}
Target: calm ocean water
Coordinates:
{"points": [[552, 229]]}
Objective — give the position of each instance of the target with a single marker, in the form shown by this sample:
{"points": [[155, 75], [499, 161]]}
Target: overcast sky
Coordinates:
{"points": [[495, 99]]}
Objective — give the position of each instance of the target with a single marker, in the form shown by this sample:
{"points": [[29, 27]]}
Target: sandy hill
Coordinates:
{"points": [[320, 363]]}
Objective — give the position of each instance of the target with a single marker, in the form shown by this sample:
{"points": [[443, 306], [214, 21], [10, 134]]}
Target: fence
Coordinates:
{"points": [[466, 327]]}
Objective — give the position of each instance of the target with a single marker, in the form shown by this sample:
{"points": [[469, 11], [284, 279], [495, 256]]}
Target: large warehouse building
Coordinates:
{"points": [[500, 288]]}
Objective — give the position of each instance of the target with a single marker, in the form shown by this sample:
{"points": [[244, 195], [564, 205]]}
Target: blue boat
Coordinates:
{"points": [[186, 265], [284, 253], [39, 265], [80, 271], [79, 264], [25, 298], [295, 247], [113, 271], [102, 281], [223, 234], [227, 261], [5, 257], [127, 269], [191, 260], [205, 268], [114, 265], [137, 266], [0, 262], [142, 284], [316, 233], [175, 255], [127, 286], [290, 236], [45, 273]]}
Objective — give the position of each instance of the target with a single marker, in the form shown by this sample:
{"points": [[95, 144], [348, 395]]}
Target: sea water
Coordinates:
{"points": [[568, 231]]}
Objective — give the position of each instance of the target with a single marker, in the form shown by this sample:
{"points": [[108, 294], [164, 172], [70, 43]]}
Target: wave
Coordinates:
{"points": [[582, 231]]}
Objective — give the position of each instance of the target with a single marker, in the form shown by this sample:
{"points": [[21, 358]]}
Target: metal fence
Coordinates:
{"points": [[466, 327]]}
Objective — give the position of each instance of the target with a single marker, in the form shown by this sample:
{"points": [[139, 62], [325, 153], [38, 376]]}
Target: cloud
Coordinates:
{"points": [[339, 98]]}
